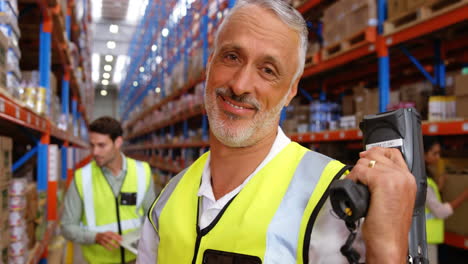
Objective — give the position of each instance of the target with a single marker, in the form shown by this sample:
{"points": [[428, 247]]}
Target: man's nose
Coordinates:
{"points": [[242, 81]]}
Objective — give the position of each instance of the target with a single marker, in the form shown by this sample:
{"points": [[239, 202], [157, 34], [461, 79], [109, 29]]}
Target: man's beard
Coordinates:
{"points": [[224, 128]]}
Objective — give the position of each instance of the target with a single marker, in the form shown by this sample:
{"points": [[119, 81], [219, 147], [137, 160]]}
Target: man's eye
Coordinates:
{"points": [[231, 56], [268, 71]]}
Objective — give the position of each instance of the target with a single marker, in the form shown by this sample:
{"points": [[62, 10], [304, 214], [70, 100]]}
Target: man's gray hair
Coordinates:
{"points": [[289, 15]]}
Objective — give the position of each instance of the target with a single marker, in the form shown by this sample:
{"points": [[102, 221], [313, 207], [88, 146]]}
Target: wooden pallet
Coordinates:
{"points": [[366, 36], [427, 11]]}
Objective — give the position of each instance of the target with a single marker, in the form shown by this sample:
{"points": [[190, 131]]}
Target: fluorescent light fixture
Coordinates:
{"points": [[107, 67], [158, 59], [97, 9], [154, 47], [136, 10], [135, 83], [111, 44], [117, 77], [105, 82], [114, 29], [157, 90], [219, 15], [95, 76], [106, 75], [142, 69], [103, 92], [95, 61], [165, 32], [109, 58], [120, 65]]}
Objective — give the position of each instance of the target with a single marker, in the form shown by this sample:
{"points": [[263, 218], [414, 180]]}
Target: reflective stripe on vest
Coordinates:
{"points": [[278, 231], [434, 226]]}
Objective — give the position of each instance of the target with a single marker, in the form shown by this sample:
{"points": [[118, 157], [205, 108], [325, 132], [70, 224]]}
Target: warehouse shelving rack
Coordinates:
{"points": [[387, 52], [28, 128]]}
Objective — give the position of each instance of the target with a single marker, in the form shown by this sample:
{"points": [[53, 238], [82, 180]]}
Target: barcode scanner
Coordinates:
{"points": [[350, 200]]}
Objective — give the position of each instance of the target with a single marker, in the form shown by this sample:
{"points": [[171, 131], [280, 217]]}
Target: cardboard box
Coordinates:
{"points": [[366, 100], [462, 106], [461, 85], [395, 8], [32, 202], [454, 186], [347, 105], [6, 147], [4, 195], [419, 94]]}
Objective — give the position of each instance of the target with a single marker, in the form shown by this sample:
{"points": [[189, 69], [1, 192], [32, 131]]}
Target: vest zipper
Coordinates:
{"points": [[122, 250], [313, 216], [201, 233]]}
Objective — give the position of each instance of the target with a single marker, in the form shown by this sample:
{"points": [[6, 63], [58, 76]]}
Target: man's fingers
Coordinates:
{"points": [[385, 155]]}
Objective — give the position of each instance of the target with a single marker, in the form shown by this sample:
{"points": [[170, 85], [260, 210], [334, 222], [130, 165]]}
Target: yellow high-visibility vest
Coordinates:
{"points": [[271, 218], [102, 209], [434, 226]]}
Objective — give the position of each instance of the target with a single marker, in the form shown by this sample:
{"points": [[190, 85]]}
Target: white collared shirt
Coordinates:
{"points": [[210, 206]]}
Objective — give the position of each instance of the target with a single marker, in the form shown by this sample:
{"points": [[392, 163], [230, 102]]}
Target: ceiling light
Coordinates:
{"points": [[114, 29], [106, 75], [157, 90], [165, 32], [219, 15], [95, 61], [135, 10], [107, 67], [154, 47], [142, 69], [95, 76], [103, 92], [105, 82], [111, 44], [97, 9], [117, 77], [109, 58], [135, 83], [158, 59]]}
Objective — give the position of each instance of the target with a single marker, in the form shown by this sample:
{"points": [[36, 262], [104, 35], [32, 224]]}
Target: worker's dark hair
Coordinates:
{"points": [[108, 126], [429, 142]]}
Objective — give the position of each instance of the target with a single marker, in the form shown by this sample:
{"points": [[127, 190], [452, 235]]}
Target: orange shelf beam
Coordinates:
{"points": [[456, 240], [342, 59], [15, 113], [308, 5], [430, 25]]}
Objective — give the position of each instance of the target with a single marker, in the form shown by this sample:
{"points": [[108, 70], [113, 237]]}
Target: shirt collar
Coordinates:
{"points": [[206, 190], [124, 166]]}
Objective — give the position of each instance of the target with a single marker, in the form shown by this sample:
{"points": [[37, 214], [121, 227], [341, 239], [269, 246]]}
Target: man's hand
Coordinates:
{"points": [[109, 240], [392, 189]]}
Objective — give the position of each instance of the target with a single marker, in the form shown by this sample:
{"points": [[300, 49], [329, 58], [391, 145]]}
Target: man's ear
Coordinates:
{"points": [[118, 142], [292, 91]]}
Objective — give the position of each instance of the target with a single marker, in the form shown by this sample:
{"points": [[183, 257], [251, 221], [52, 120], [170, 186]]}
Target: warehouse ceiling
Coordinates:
{"points": [[114, 22]]}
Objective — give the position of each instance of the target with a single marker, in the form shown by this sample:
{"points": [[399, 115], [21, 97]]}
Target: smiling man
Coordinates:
{"points": [[107, 198], [256, 197]]}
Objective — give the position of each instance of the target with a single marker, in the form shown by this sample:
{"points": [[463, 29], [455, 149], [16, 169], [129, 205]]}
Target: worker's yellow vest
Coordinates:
{"points": [[271, 218], [434, 226], [100, 209]]}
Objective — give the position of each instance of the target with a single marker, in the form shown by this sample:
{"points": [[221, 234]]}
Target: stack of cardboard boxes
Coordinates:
{"points": [[6, 146], [10, 29], [461, 95], [345, 18]]}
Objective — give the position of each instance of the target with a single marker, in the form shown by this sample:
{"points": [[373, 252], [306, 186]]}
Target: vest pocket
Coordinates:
{"points": [[211, 256]]}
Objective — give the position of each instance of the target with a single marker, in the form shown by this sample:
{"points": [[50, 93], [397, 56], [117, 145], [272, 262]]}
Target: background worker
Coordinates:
{"points": [[107, 198], [436, 210]]}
